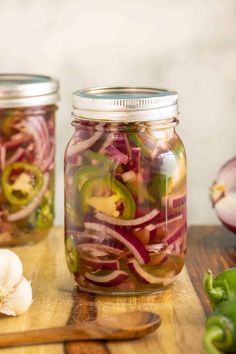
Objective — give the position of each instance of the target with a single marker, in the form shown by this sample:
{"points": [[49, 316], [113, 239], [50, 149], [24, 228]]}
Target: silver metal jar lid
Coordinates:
{"points": [[26, 90], [125, 104]]}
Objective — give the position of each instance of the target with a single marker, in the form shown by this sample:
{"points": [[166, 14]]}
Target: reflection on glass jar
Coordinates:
{"points": [[125, 192], [27, 147]]}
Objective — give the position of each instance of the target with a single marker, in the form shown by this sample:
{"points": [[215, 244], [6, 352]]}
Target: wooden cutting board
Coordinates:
{"points": [[183, 307]]}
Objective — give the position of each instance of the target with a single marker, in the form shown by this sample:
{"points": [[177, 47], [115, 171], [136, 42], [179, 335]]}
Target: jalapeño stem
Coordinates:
{"points": [[216, 294]]}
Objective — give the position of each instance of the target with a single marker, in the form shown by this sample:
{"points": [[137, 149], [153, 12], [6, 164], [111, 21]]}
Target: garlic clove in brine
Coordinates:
{"points": [[11, 271], [19, 300]]}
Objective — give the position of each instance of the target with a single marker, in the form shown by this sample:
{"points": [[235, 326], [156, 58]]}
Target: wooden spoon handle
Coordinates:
{"points": [[52, 335]]}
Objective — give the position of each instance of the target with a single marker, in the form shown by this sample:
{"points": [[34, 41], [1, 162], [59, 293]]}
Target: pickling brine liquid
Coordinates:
{"points": [[27, 174], [125, 206]]}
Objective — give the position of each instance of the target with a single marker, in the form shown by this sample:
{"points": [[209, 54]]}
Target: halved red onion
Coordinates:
{"points": [[117, 155], [227, 175], [226, 211], [130, 241], [127, 222], [146, 277], [27, 210], [100, 264], [223, 194], [112, 279], [83, 145]]}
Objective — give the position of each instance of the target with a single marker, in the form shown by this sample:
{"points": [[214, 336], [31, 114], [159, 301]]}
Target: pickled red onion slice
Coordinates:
{"points": [[179, 232], [127, 222], [175, 201], [84, 144], [117, 155], [112, 279], [130, 241], [146, 277], [97, 263]]}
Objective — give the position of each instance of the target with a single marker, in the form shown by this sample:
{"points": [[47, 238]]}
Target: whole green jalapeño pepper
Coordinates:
{"points": [[107, 195], [21, 181], [222, 288], [220, 335]]}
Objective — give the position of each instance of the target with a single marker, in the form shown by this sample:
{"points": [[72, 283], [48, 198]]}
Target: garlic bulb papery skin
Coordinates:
{"points": [[11, 271], [223, 194], [19, 300]]}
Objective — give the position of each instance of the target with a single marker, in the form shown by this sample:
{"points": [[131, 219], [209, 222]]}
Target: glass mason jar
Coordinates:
{"points": [[125, 191], [27, 128]]}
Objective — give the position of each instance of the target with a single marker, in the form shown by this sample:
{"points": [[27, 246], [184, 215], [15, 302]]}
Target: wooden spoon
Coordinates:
{"points": [[127, 325]]}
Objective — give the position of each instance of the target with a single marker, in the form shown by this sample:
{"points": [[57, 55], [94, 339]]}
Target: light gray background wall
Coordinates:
{"points": [[188, 45]]}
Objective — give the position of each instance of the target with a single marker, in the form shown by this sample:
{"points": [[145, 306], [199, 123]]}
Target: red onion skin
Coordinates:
{"points": [[229, 227]]}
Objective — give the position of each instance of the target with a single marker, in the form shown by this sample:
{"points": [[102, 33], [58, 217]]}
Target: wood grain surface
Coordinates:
{"points": [[183, 307]]}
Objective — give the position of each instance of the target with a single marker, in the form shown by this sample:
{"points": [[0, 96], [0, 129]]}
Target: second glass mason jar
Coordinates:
{"points": [[27, 147], [125, 191]]}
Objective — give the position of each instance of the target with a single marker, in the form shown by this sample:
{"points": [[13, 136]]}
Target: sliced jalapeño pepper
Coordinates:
{"points": [[138, 142], [107, 195], [160, 186], [83, 174], [72, 256], [21, 181]]}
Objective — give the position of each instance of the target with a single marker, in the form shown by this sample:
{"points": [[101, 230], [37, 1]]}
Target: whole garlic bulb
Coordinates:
{"points": [[11, 271], [15, 290], [19, 300]]}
